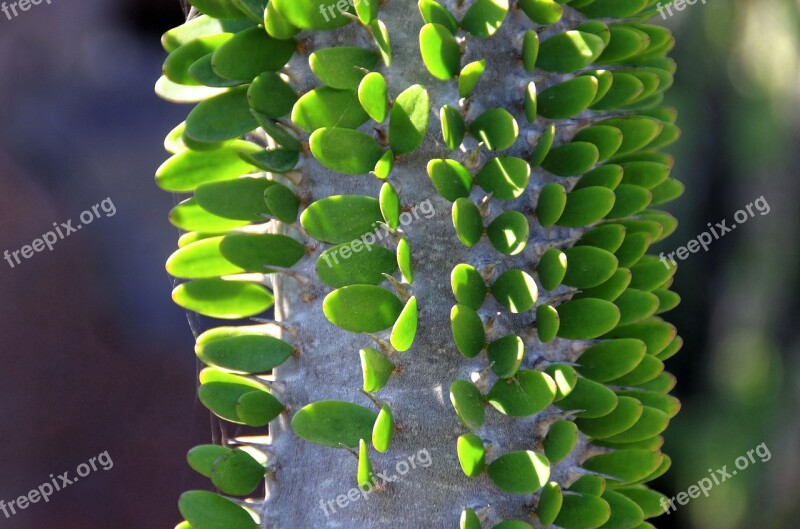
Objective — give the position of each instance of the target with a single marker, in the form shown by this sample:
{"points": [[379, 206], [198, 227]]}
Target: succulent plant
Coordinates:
{"points": [[448, 206]]}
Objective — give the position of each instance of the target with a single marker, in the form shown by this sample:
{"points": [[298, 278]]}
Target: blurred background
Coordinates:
{"points": [[95, 357]]}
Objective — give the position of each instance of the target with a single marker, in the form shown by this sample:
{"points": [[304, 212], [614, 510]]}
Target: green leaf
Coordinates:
{"points": [[282, 203], [506, 354], [567, 99], [651, 423], [242, 349], [222, 117], [530, 47], [624, 416], [496, 128], [345, 151], [202, 457], [367, 10], [547, 322], [277, 131], [239, 199], [552, 200], [552, 268], [373, 94], [529, 392], [384, 167], [586, 319], [404, 261], [516, 291], [506, 177], [217, 298], [453, 127], [611, 359], [217, 8], [468, 331], [471, 454], [654, 332], [376, 369], [582, 511], [390, 205], [565, 378], [364, 474], [513, 524], [636, 305], [274, 160], [590, 398], [342, 67], [362, 308], [201, 259], [200, 27], [588, 266], [550, 501], [258, 408], [520, 472], [468, 403], [440, 51], [586, 206], [277, 25], [470, 75], [341, 218], [468, 286], [237, 473], [251, 52], [355, 263], [383, 430], [380, 34], [627, 465], [624, 512], [189, 216], [205, 510], [221, 392], [405, 329], [434, 12], [467, 221], [408, 120], [626, 42], [469, 520], [589, 484], [560, 440], [251, 251], [607, 140], [531, 102], [328, 107], [450, 178], [544, 12], [608, 237], [484, 17], [543, 146], [271, 95], [509, 232], [571, 159], [315, 14], [176, 66], [334, 423], [644, 174], [569, 51]]}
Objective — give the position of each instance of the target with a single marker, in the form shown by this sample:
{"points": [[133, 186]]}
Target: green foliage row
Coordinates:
{"points": [[578, 205]]}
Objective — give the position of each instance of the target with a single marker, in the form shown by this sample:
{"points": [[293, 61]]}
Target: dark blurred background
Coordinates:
{"points": [[95, 357]]}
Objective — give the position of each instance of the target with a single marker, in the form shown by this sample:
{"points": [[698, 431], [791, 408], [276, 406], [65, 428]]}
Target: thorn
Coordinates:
{"points": [[474, 157], [386, 347], [375, 400], [403, 292], [487, 272], [300, 277], [486, 207], [295, 177], [288, 327]]}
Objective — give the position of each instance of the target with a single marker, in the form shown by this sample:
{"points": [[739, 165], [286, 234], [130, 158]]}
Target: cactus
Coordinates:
{"points": [[448, 206]]}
